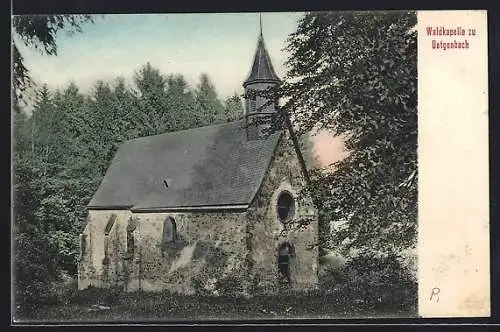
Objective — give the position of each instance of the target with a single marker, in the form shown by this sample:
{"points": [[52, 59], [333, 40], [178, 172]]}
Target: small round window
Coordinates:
{"points": [[286, 206]]}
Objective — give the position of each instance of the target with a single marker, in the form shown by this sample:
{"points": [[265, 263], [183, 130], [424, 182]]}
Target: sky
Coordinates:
{"points": [[221, 45]]}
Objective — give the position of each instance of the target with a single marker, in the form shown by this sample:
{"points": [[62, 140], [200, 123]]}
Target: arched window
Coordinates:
{"points": [[130, 243], [285, 252], [107, 230], [83, 245], [109, 225], [169, 230], [130, 238], [286, 206]]}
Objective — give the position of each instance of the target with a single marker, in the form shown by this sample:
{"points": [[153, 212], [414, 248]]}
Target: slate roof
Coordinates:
{"points": [[207, 166], [262, 68]]}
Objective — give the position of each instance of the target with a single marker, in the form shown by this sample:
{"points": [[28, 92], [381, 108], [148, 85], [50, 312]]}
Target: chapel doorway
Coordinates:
{"points": [[285, 255]]}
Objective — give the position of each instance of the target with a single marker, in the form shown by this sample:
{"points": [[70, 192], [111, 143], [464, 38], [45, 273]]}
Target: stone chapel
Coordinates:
{"points": [[205, 208]]}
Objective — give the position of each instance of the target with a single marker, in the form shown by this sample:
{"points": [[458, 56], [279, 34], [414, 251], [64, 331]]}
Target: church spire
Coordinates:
{"points": [[262, 70]]}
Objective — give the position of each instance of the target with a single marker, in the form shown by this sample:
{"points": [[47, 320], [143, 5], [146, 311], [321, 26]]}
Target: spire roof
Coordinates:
{"points": [[262, 68]]}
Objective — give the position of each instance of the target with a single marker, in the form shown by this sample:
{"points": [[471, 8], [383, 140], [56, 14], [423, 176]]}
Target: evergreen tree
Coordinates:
{"points": [[100, 116], [153, 115], [70, 125], [42, 120], [209, 108], [21, 131], [182, 103], [125, 104]]}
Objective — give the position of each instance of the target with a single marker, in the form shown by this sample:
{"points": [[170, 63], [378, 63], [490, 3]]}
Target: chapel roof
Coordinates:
{"points": [[262, 67], [201, 167]]}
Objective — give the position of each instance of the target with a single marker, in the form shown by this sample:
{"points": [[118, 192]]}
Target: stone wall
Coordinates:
{"points": [[268, 232], [210, 247], [91, 270]]}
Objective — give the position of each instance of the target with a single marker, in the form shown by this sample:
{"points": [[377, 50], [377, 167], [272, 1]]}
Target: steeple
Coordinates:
{"points": [[259, 111], [262, 68]]}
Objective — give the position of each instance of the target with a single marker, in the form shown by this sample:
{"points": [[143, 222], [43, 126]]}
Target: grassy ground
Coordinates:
{"points": [[147, 307]]}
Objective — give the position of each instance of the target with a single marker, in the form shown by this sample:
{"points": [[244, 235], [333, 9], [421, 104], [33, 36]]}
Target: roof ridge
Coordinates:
{"points": [[184, 130]]}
